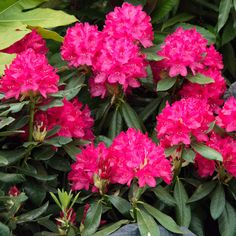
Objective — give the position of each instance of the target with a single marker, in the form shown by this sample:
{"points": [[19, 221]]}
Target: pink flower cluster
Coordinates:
{"points": [[113, 54], [183, 120], [29, 74], [227, 115], [227, 147], [32, 40], [131, 155], [74, 119]]}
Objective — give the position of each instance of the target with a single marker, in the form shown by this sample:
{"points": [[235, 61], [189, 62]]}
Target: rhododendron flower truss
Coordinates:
{"points": [[227, 147], [130, 22], [91, 169], [137, 156], [32, 40], [227, 115], [184, 119], [81, 44], [74, 119], [29, 74]]}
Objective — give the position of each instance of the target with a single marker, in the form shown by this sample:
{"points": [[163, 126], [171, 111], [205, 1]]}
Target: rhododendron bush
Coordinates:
{"points": [[117, 119]]}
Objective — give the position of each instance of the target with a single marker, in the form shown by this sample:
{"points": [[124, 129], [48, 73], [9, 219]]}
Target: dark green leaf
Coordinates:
{"points": [[47, 223], [151, 53], [116, 124], [6, 121], [103, 139], [224, 10], [111, 228], [165, 220], [72, 150], [207, 152], [43, 153], [164, 195], [11, 157], [165, 84], [53, 131], [137, 2], [228, 33], [163, 8], [53, 103], [197, 225], [226, 221], [188, 155], [4, 230], [122, 205], [183, 211], [146, 224], [58, 141], [31, 215], [59, 163], [200, 79], [130, 116], [217, 202], [202, 191], [92, 219], [11, 178]]}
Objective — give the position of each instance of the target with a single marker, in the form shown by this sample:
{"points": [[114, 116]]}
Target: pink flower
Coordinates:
{"points": [[129, 22], [176, 124], [13, 191], [227, 147], [213, 59], [183, 50], [118, 62], [29, 74], [137, 156], [32, 40], [92, 168], [212, 92], [74, 119], [227, 115], [80, 44]]}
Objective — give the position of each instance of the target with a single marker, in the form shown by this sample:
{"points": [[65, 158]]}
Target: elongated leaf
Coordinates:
{"points": [[183, 211], [207, 152], [165, 220], [43, 153], [11, 156], [4, 230], [111, 228], [217, 202], [71, 150], [164, 195], [58, 141], [228, 33], [197, 224], [151, 53], [146, 224], [162, 9], [165, 84], [116, 124], [6, 121], [224, 10], [200, 79], [92, 219], [5, 59], [234, 4], [11, 178], [202, 191], [122, 205], [226, 221], [188, 155], [130, 116], [31, 215], [177, 19]]}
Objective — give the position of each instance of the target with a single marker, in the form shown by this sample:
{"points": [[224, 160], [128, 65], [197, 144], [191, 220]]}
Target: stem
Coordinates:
{"points": [[31, 120]]}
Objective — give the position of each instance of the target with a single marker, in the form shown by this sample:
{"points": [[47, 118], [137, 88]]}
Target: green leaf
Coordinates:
{"points": [[11, 178], [207, 152], [59, 163], [31, 215], [6, 121], [188, 155], [5, 59], [111, 228], [227, 221], [151, 53], [122, 205], [92, 219], [163, 8], [197, 224], [165, 220], [183, 211], [228, 33], [165, 84], [234, 4], [164, 195], [53, 103], [58, 141], [103, 139], [224, 10], [182, 17], [47, 223], [137, 2], [4, 230], [43, 153], [150, 108], [130, 116], [202, 191], [116, 124], [146, 224], [11, 156], [35, 191], [72, 150], [200, 79], [217, 202]]}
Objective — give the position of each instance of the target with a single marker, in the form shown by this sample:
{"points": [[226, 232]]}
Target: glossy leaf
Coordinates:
{"points": [[151, 53], [122, 205], [200, 79], [11, 178], [5, 59], [164, 195], [224, 10], [4, 230], [11, 157], [165, 84], [188, 155], [116, 124]]}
